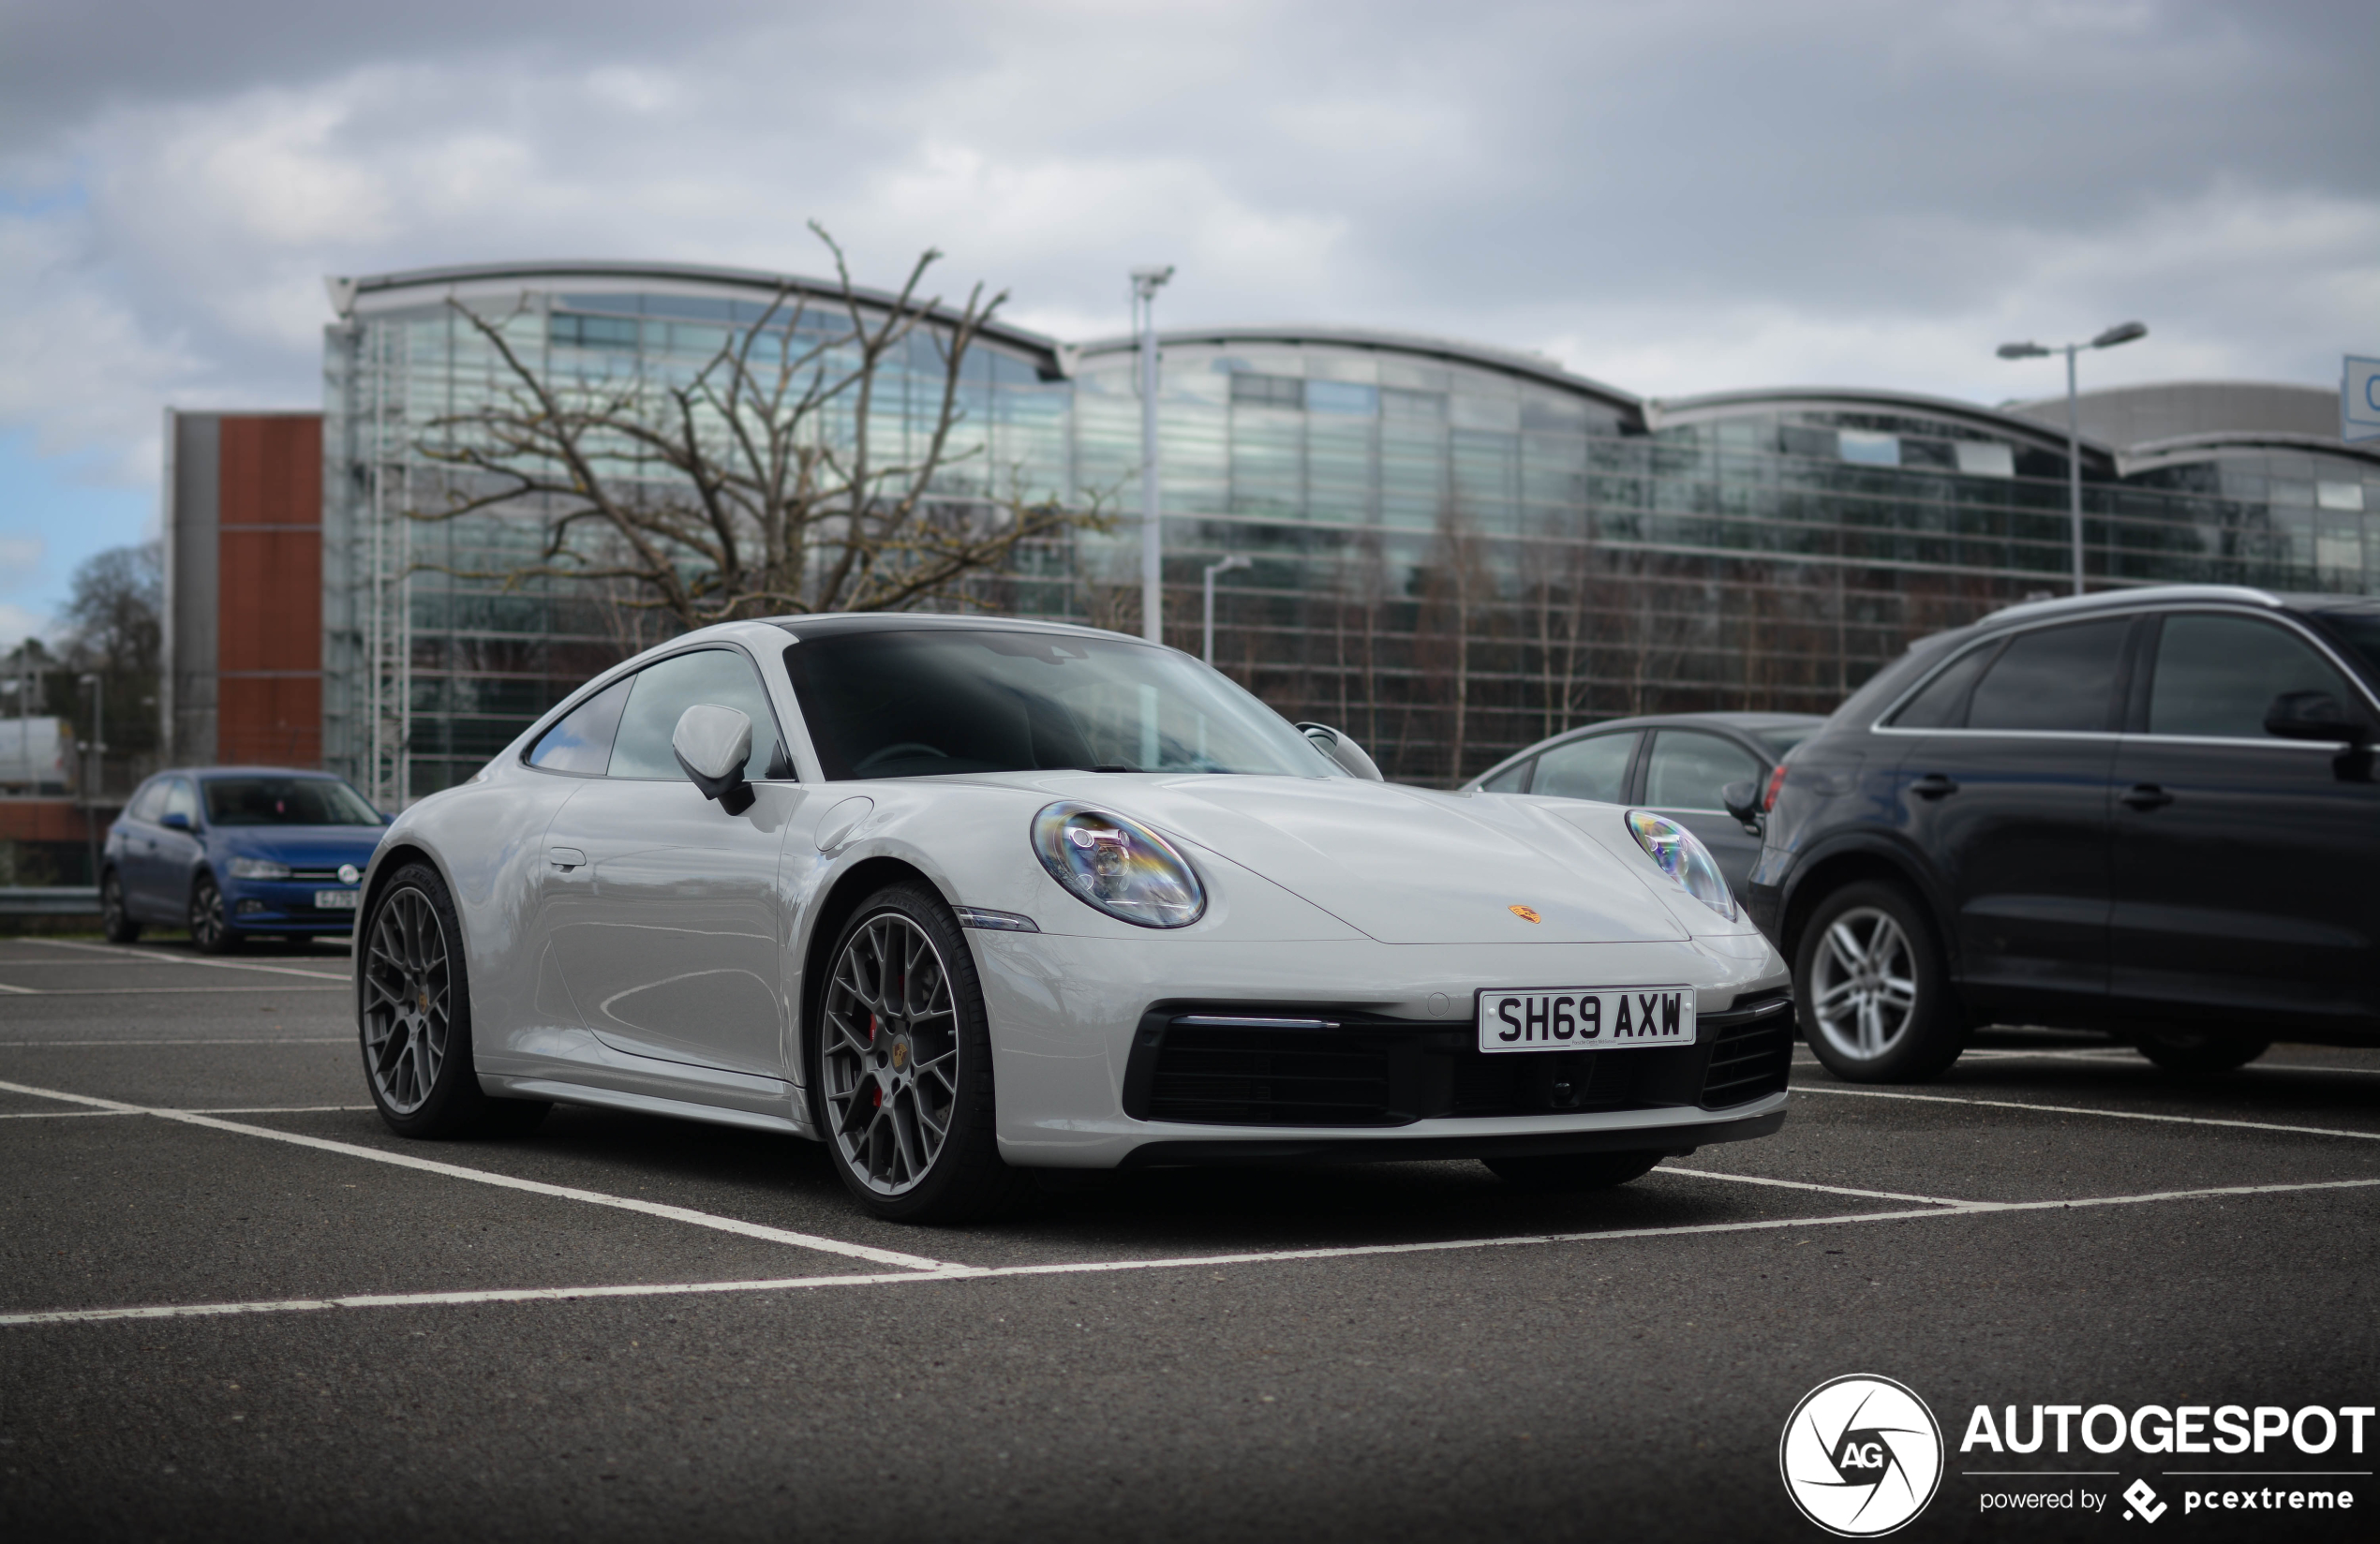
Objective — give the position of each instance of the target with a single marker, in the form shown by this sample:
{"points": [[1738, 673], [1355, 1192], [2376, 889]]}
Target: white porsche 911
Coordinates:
{"points": [[963, 896]]}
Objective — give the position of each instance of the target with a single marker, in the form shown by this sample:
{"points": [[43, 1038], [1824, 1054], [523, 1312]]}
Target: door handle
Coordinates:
{"points": [[1933, 785], [565, 858], [2146, 797]]}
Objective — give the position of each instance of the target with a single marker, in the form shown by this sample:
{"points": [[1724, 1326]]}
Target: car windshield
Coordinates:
{"points": [[286, 801], [931, 703], [1784, 737]]}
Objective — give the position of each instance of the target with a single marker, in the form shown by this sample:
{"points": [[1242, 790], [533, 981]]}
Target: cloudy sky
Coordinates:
{"points": [[1683, 196]]}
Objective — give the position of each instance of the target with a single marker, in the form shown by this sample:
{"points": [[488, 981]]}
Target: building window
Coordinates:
{"points": [[1268, 391], [1868, 448], [1987, 458]]}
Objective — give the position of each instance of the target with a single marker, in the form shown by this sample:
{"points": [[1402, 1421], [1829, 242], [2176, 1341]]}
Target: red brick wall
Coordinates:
{"points": [[269, 601]]}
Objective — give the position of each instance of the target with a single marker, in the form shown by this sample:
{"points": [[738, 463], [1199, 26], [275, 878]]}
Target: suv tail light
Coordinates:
{"points": [[1776, 784]]}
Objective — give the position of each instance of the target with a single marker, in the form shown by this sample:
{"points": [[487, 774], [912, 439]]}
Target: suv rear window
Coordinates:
{"points": [[2057, 679]]}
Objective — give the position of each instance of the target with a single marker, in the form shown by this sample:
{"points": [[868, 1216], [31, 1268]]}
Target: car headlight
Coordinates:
{"points": [[1680, 854], [259, 868], [1118, 866]]}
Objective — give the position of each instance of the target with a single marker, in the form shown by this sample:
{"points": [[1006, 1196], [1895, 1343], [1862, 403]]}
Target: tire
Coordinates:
{"points": [[902, 1048], [114, 921], [1871, 1018], [1573, 1170], [2190, 1053], [210, 929], [414, 1018]]}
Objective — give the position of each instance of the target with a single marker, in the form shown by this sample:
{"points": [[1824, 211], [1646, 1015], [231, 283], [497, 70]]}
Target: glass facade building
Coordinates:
{"points": [[1455, 550]]}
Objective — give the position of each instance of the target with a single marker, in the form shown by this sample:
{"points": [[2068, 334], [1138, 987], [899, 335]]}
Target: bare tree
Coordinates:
{"points": [[761, 481]]}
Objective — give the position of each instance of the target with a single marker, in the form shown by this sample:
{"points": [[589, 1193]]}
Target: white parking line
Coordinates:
{"points": [[2084, 1109], [250, 1110], [1804, 1184], [157, 991], [122, 953], [256, 1040], [966, 1273], [506, 1181]]}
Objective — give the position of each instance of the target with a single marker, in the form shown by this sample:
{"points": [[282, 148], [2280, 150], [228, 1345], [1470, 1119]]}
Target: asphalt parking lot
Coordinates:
{"points": [[232, 1306]]}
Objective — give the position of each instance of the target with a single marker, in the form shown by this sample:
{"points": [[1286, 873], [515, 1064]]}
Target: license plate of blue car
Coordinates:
{"points": [[1584, 1018], [335, 900]]}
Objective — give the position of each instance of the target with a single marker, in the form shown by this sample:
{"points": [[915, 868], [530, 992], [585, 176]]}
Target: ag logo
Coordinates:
{"points": [[1861, 1455]]}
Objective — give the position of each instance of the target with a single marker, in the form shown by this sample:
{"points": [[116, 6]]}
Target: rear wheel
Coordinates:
{"points": [[1872, 990], [114, 921], [1573, 1170], [414, 1017], [2195, 1054], [210, 929], [904, 1060]]}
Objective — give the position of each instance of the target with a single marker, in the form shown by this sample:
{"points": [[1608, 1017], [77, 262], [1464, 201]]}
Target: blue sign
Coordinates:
{"points": [[2359, 400]]}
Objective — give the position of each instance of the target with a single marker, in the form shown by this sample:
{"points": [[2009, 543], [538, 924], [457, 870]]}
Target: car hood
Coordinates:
{"points": [[1402, 864], [301, 846]]}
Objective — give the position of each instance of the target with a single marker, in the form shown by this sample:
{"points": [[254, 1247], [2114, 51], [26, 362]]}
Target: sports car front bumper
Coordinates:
{"points": [[1090, 1066]]}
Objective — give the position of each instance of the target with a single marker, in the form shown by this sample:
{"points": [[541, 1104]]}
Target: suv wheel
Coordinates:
{"points": [[1871, 988]]}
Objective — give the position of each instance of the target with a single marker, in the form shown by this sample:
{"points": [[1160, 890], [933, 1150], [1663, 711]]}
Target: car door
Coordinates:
{"points": [[1592, 767], [1684, 772], [135, 847], [661, 911], [2007, 795], [179, 850], [2243, 862]]}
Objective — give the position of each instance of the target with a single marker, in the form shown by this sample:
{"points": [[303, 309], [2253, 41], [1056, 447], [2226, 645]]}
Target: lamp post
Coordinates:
{"points": [[2121, 333], [96, 751], [1146, 282], [1205, 635]]}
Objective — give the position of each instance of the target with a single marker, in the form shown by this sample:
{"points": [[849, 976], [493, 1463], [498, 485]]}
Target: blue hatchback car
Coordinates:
{"points": [[230, 852]]}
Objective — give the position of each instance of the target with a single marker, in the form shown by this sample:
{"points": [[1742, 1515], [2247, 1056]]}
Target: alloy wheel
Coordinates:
{"points": [[207, 923], [407, 1001], [1864, 984], [891, 1054]]}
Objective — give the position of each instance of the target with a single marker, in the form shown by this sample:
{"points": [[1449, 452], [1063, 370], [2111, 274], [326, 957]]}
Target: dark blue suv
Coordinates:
{"points": [[231, 852], [2153, 812]]}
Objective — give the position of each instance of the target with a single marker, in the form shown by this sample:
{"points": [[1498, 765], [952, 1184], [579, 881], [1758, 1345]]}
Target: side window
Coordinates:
{"points": [[148, 803], [583, 741], [662, 692], [2216, 675], [1595, 767], [1513, 779], [2057, 679], [181, 799], [1688, 769], [1942, 701]]}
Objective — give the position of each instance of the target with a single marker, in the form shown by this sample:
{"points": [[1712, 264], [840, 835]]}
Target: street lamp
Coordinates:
{"points": [[2121, 333], [1146, 282], [1237, 560], [95, 748]]}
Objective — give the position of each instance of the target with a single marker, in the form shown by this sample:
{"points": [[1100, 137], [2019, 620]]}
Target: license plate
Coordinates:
{"points": [[1586, 1018], [335, 900]]}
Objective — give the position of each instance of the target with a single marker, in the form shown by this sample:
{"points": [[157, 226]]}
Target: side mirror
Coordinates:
{"points": [[1349, 755], [2314, 716], [712, 744], [174, 821], [1742, 799]]}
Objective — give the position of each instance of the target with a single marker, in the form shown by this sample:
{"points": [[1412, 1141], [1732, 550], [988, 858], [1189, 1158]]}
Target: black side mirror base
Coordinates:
{"points": [[734, 794]]}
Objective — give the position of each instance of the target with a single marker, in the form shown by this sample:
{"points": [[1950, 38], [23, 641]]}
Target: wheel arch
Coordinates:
{"points": [[1849, 865]]}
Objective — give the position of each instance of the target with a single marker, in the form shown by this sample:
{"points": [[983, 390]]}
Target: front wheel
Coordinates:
{"points": [[1872, 990], [210, 929], [114, 921], [2199, 1054], [904, 1063], [414, 1017]]}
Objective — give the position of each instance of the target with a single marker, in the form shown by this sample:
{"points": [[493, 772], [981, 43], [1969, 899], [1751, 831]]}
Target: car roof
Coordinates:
{"points": [[206, 772], [829, 624]]}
